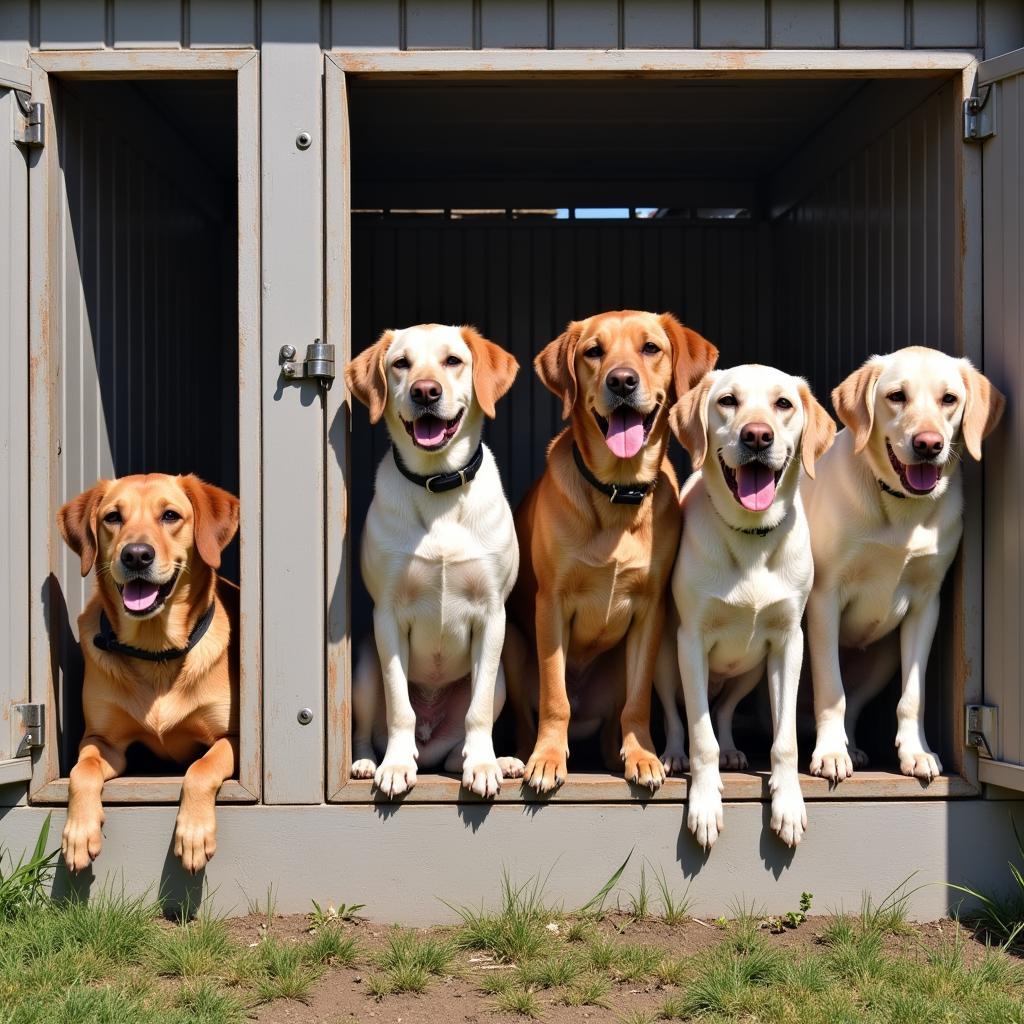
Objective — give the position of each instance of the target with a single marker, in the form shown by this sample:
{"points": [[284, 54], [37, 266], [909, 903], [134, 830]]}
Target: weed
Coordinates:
{"points": [[267, 908], [890, 916], [204, 1003], [673, 972], [551, 972], [23, 887], [330, 945], [281, 972], [595, 905], [379, 986], [588, 992], [406, 950], [675, 908], [192, 950], [518, 1000], [579, 931], [637, 963], [640, 901], [318, 916], [514, 934], [601, 953], [792, 918], [637, 1017]]}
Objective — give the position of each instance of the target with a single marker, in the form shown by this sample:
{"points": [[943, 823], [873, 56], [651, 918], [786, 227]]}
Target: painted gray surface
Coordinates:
{"points": [[403, 863], [1004, 361]]}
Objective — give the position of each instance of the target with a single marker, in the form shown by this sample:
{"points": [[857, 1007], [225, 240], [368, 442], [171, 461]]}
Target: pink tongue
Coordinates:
{"points": [[138, 595], [755, 485], [625, 434], [922, 476], [428, 430]]}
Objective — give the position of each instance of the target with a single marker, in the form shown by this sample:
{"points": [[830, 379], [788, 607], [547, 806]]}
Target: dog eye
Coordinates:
{"points": [[170, 516], [594, 352], [650, 349], [949, 398], [401, 363], [896, 396], [728, 400], [453, 361], [783, 403], [113, 517]]}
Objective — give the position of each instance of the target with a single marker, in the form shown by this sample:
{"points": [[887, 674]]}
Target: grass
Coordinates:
{"points": [[23, 882], [408, 963]]}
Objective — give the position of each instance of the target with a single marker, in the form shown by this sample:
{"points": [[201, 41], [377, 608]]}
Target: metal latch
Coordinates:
{"points": [[33, 722], [31, 129], [982, 720], [979, 116], [318, 364]]}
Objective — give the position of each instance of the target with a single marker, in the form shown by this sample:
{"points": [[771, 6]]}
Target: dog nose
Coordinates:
{"points": [[137, 556], [622, 381], [426, 392], [757, 436], [928, 444]]}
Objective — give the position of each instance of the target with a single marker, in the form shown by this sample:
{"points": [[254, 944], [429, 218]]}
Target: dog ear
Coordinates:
{"points": [[854, 402], [494, 369], [215, 518], [366, 378], [556, 366], [77, 523], [692, 354], [982, 410], [819, 430], [688, 419]]}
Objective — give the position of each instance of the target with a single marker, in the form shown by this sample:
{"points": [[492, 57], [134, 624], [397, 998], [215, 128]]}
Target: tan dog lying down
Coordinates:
{"points": [[744, 570], [886, 519], [161, 658], [598, 534]]}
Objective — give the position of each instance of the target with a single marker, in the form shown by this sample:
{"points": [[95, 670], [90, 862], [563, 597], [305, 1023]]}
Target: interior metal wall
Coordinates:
{"points": [[148, 323]]}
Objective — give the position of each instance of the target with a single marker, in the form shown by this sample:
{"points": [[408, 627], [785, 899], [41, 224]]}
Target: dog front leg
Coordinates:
{"points": [[195, 828], [668, 687], [643, 766], [704, 800], [82, 839], [916, 634], [396, 773], [366, 686], [831, 757], [548, 765], [789, 816]]}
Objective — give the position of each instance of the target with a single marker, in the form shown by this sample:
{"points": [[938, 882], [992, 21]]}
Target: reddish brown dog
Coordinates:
{"points": [[161, 666], [598, 535]]}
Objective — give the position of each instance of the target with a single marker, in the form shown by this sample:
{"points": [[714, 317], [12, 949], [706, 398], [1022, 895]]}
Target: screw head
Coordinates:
{"points": [[304, 140], [305, 716], [287, 352]]}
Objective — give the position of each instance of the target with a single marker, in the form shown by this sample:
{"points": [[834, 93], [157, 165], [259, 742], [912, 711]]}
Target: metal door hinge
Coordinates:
{"points": [[981, 723], [32, 721], [30, 125], [318, 364], [979, 116]]}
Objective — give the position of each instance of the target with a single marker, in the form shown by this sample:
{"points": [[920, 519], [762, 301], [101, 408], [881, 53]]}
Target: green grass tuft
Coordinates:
{"points": [[518, 1000], [514, 934]]}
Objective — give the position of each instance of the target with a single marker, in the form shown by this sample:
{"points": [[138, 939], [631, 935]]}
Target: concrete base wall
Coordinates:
{"points": [[405, 863]]}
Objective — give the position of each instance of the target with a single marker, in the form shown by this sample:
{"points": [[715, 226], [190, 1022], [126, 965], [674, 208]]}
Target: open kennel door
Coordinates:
{"points": [[15, 156], [999, 120]]}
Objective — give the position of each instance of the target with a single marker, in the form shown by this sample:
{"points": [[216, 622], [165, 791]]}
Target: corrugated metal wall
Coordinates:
{"points": [[148, 335]]}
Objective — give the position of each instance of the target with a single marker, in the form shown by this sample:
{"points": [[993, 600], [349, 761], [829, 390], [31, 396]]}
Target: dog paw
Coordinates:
{"points": [[393, 779], [675, 762], [922, 764], [483, 779], [834, 765], [789, 815], [195, 839], [858, 757], [644, 769], [546, 770], [364, 768], [732, 760], [81, 842], [511, 767], [704, 811]]}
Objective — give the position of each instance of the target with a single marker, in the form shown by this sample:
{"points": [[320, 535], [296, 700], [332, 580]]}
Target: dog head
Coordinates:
{"points": [[753, 425], [144, 533], [432, 384], [907, 410], [617, 373]]}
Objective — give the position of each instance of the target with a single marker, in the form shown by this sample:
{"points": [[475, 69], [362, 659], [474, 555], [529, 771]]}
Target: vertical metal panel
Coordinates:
{"points": [[374, 24], [15, 31], [514, 23], [220, 23], [728, 23], [72, 24], [1003, 172], [293, 415], [796, 24], [430, 25], [944, 23], [872, 23], [14, 361], [586, 24], [656, 23], [149, 24]]}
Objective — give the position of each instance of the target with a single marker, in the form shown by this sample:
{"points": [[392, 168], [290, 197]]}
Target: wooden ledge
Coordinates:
{"points": [[138, 789]]}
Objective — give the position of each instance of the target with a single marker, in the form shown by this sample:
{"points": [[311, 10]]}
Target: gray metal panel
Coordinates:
{"points": [[732, 23], [796, 24], [648, 24], [150, 24], [1002, 26], [15, 31], [514, 23], [374, 24], [944, 23], [72, 24], [220, 23], [1003, 171], [434, 26], [872, 23], [586, 24], [14, 362]]}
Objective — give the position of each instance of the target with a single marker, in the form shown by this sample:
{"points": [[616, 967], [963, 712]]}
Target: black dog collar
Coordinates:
{"points": [[441, 482], [751, 531], [106, 640], [618, 494], [888, 490]]}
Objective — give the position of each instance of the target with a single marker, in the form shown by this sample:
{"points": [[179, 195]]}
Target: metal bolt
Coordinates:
{"points": [[305, 716], [303, 140], [287, 352]]}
